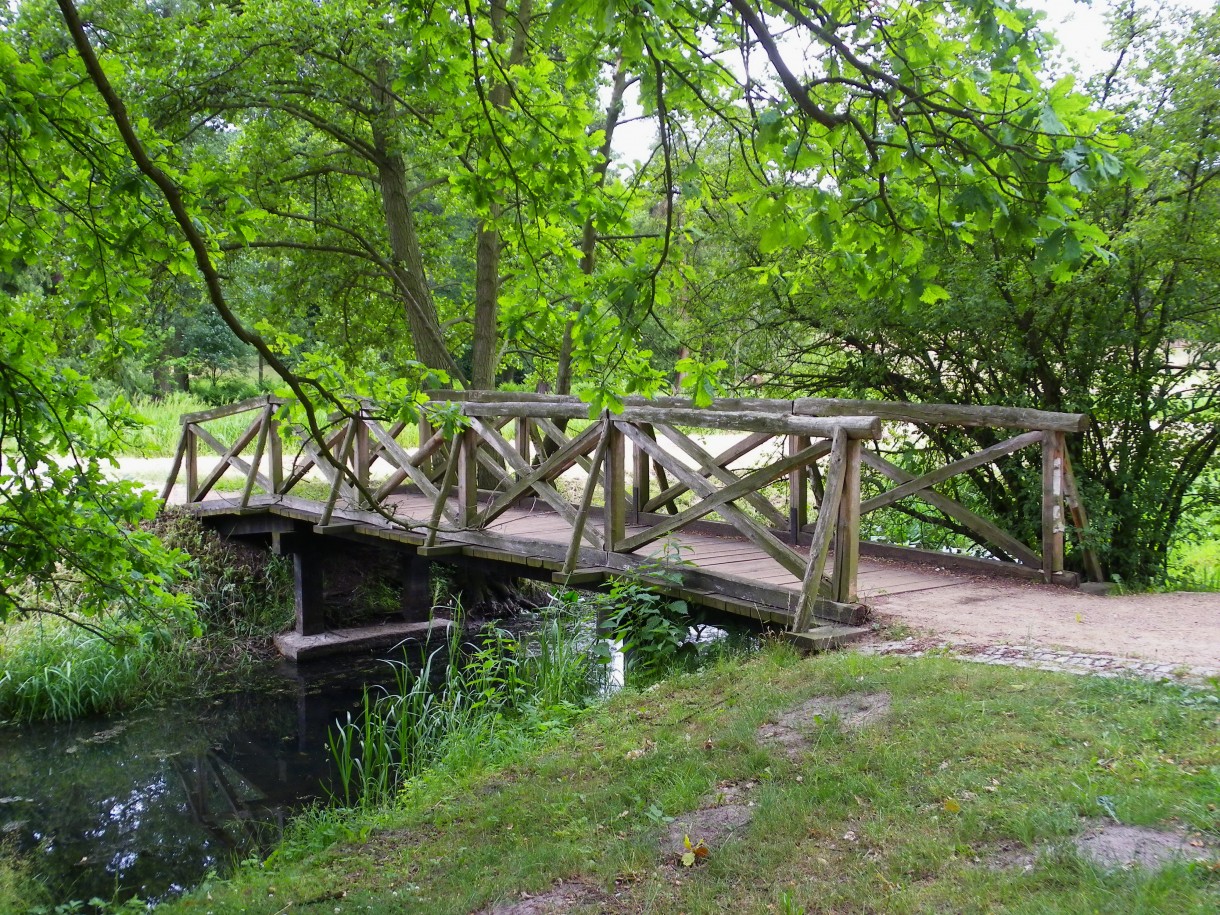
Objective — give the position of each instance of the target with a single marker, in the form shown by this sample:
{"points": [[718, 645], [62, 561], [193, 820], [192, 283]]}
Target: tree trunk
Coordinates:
{"points": [[487, 240], [588, 240], [426, 334], [486, 306]]}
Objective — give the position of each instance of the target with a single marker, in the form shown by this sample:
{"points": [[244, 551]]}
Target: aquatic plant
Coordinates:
{"points": [[500, 687]]}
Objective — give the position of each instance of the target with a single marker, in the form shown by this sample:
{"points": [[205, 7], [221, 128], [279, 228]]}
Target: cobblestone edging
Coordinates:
{"points": [[1071, 662]]}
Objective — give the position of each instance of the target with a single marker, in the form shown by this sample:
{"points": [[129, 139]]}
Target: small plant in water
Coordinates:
{"points": [[652, 627]]}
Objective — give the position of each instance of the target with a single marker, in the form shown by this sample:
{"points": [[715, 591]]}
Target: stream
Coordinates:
{"points": [[149, 803]]}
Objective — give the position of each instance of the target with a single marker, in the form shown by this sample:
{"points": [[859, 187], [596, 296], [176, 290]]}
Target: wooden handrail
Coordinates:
{"points": [[891, 410]]}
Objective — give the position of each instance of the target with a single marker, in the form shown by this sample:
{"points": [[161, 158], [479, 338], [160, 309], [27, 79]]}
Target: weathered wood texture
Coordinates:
{"points": [[763, 508]]}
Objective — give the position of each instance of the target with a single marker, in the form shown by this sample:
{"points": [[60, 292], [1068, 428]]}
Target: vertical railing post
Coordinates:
{"points": [[1052, 506], [847, 530], [615, 487], [522, 435], [640, 477], [360, 455], [428, 466], [275, 456], [467, 442], [798, 491], [192, 462]]}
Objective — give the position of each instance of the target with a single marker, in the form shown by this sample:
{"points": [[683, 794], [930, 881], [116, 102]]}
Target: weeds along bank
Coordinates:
{"points": [[56, 666], [835, 783]]}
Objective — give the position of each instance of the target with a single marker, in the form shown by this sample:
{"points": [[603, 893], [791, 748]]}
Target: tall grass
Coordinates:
{"points": [[499, 689], [54, 669]]}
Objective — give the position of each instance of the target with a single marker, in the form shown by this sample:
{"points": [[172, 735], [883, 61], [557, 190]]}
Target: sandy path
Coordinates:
{"points": [[1178, 628]]}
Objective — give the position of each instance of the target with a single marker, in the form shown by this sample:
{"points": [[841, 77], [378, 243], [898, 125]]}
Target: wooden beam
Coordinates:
{"points": [[345, 453], [751, 529], [259, 447], [984, 529], [751, 482], [944, 414], [940, 474], [312, 454], [308, 591], [798, 490], [442, 494], [586, 499], [203, 416], [737, 450], [510, 456], [709, 468], [813, 580], [774, 423], [554, 465], [467, 444], [192, 462], [1080, 519], [176, 466], [847, 529], [614, 488], [1052, 506], [228, 456], [640, 476]]}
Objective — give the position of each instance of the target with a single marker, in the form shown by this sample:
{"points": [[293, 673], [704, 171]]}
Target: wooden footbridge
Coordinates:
{"points": [[752, 507]]}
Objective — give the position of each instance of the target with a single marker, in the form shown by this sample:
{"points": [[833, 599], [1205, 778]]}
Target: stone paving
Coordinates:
{"points": [[1071, 662]]}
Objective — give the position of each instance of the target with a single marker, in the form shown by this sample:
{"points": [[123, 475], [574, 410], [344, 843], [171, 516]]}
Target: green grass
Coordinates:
{"points": [[1195, 567], [897, 817], [52, 668], [19, 892], [159, 435], [501, 691]]}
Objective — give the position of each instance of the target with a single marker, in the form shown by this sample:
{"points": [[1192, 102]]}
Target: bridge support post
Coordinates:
{"points": [[307, 592], [308, 580], [415, 573], [847, 530]]}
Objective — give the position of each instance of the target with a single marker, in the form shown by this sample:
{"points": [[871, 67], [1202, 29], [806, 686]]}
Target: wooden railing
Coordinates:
{"points": [[816, 447]]}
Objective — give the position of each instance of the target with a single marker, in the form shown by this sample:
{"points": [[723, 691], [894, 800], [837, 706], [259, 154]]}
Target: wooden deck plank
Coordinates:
{"points": [[721, 571]]}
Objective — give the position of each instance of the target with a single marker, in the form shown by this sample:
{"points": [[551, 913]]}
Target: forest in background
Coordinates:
{"points": [[891, 200]]}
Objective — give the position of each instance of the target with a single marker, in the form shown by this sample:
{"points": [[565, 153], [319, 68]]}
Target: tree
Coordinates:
{"points": [[357, 124], [1129, 336]]}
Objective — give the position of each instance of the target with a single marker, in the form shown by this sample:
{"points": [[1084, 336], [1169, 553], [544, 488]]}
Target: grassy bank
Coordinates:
{"points": [[927, 808], [51, 667]]}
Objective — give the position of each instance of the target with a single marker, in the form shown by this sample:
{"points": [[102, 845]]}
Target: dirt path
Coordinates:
{"points": [[1177, 628]]}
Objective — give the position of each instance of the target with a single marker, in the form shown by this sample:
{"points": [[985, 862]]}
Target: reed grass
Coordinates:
{"points": [[54, 669], [494, 692]]}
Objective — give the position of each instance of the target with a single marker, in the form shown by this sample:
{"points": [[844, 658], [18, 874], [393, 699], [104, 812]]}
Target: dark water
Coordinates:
{"points": [[148, 804]]}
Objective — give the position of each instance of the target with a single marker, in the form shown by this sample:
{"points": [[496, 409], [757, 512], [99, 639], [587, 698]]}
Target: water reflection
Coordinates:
{"points": [[148, 805]]}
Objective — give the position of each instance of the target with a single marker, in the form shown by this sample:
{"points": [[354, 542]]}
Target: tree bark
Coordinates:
{"points": [[411, 278], [487, 238], [588, 241]]}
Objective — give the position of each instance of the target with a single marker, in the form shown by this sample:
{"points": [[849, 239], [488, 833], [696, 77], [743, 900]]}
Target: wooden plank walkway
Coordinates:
{"points": [[722, 570]]}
